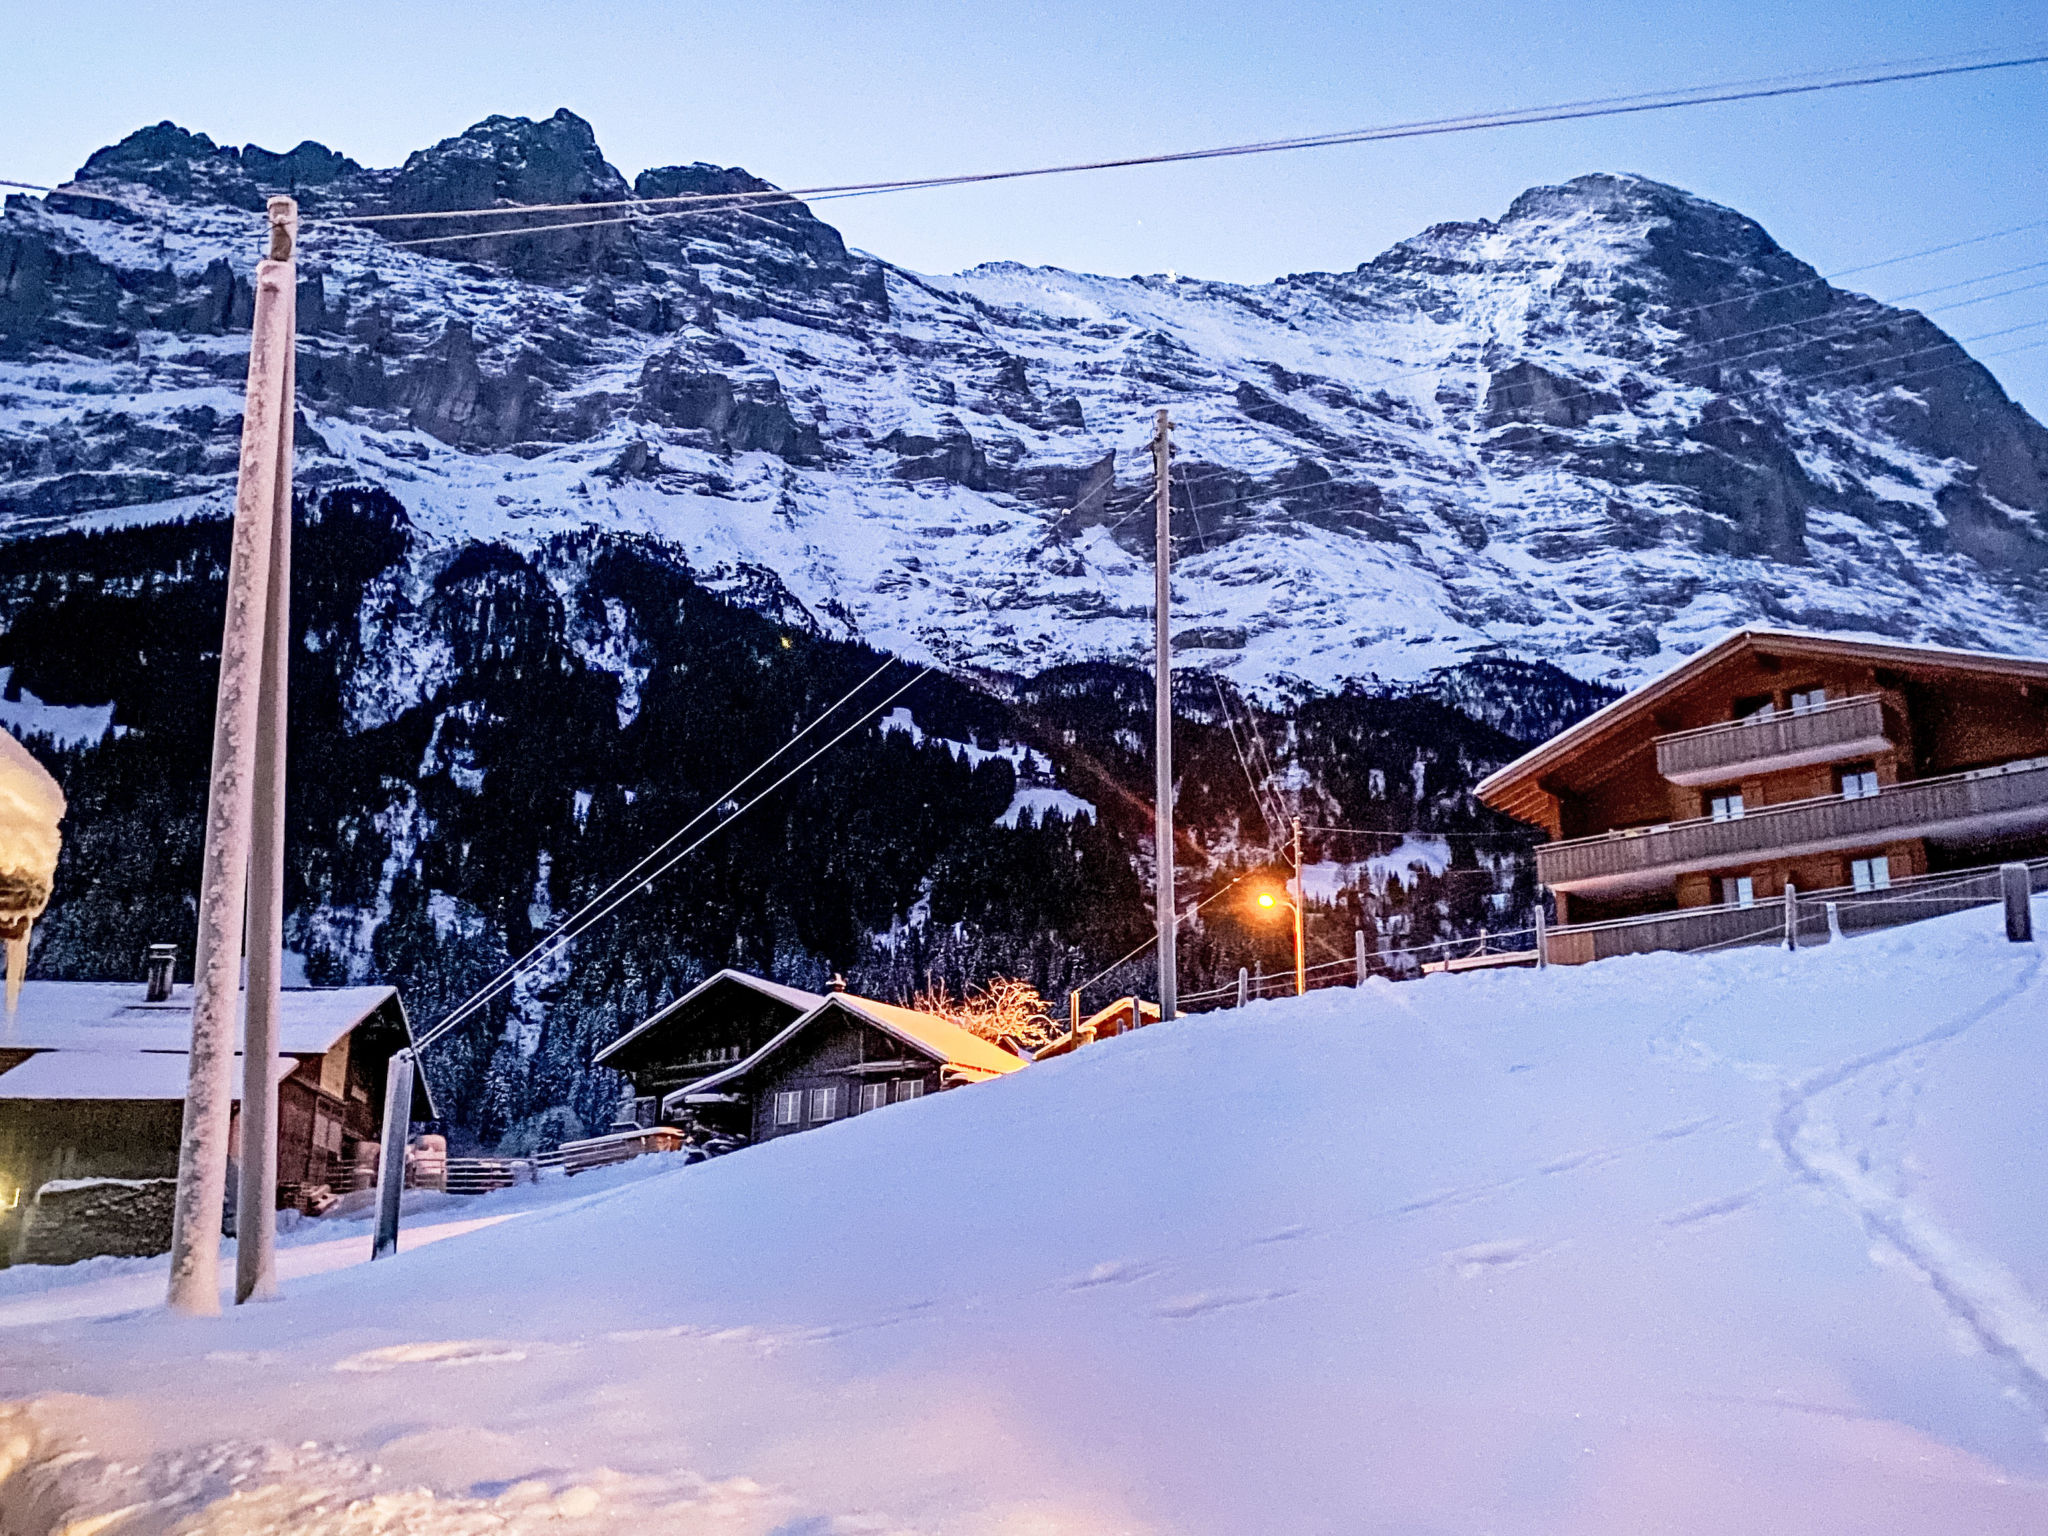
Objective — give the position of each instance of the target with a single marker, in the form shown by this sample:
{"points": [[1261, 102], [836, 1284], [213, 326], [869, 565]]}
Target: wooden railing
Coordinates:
{"points": [[2013, 795], [1834, 732], [1816, 917]]}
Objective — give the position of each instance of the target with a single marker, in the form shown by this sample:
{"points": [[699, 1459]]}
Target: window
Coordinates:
{"points": [[909, 1088], [789, 1107], [1806, 703], [1859, 782], [824, 1104], [1758, 708], [1726, 806], [873, 1096], [1738, 891], [1871, 874]]}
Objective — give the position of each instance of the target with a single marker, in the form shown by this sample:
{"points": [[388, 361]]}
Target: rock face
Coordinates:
{"points": [[1596, 432]]}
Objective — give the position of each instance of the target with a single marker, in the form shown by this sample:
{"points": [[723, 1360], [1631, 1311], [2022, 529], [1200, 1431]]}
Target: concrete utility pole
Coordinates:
{"points": [[1162, 707], [263, 487], [256, 1200], [1300, 923]]}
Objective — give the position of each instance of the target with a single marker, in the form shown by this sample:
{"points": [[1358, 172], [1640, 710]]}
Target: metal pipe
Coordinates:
{"points": [[391, 1161], [1162, 707]]}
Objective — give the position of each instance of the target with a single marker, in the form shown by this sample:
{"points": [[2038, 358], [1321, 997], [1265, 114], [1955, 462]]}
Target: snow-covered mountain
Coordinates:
{"points": [[1596, 432]]}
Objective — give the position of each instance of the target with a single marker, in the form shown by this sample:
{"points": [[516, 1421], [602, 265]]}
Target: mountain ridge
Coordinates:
{"points": [[1597, 431]]}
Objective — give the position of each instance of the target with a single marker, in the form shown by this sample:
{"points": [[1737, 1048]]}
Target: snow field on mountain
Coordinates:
{"points": [[1750, 1243], [1444, 528]]}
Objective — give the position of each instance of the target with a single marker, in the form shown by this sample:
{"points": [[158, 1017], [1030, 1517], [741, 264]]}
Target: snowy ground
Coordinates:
{"points": [[1749, 1243]]}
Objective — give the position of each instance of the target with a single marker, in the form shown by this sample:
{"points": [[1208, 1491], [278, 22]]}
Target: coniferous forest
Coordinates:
{"points": [[483, 739]]}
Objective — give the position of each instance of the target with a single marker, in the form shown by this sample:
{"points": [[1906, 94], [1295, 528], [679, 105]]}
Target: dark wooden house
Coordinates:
{"points": [[847, 1056], [1775, 758], [92, 1086], [721, 1021]]}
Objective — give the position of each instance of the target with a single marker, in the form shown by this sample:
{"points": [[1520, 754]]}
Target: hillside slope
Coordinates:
{"points": [[1749, 1243]]}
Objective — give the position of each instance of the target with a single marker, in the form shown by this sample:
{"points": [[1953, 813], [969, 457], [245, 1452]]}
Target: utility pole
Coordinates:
{"points": [[262, 487], [256, 1200], [1300, 923], [1162, 706]]}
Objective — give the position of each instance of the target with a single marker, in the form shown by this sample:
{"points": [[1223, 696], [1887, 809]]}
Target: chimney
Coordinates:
{"points": [[157, 969], [838, 983]]}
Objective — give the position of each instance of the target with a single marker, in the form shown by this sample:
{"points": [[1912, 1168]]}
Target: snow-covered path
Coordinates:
{"points": [[1745, 1243]]}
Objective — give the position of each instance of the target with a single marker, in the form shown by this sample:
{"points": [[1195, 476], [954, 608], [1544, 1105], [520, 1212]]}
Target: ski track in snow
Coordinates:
{"points": [[1979, 1292]]}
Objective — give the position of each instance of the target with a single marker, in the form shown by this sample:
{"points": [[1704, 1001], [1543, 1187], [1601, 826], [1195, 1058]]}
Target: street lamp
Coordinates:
{"points": [[1268, 901]]}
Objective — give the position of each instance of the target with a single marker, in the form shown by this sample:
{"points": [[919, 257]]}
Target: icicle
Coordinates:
{"points": [[17, 966]]}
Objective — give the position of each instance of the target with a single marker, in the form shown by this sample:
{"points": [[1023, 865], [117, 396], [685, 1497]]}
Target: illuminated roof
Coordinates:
{"points": [[939, 1039]]}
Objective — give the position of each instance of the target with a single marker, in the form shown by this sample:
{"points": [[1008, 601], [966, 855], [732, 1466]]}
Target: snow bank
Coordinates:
{"points": [[1752, 1242]]}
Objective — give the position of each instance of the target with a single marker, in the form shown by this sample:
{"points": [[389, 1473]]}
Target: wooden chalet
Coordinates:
{"points": [[1778, 757], [92, 1087], [1118, 1018], [721, 1021], [847, 1056]]}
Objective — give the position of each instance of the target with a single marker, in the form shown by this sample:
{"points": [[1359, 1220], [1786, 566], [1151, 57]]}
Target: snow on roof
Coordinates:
{"points": [[111, 1075], [940, 1039], [113, 1016], [794, 997]]}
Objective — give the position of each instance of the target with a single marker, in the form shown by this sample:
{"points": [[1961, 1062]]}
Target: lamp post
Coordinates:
{"points": [[1268, 901]]}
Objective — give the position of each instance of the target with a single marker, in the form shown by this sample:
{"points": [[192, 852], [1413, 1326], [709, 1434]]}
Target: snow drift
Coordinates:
{"points": [[1744, 1243]]}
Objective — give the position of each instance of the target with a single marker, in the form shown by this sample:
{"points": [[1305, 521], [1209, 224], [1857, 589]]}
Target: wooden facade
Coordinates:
{"points": [[95, 1089], [1777, 758], [718, 1023], [848, 1056]]}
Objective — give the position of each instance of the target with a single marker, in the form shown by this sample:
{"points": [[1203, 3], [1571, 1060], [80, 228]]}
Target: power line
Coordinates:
{"points": [[1677, 358], [1922, 67], [640, 876], [1516, 117], [1737, 394], [1800, 343]]}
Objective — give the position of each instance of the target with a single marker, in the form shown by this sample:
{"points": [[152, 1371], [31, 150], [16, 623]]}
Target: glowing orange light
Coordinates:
{"points": [[1266, 899]]}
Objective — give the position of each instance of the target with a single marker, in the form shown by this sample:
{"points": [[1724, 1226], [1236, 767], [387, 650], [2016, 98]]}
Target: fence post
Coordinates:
{"points": [[1834, 922], [2019, 909], [1074, 1016], [1542, 935], [1244, 986], [391, 1163], [1358, 950], [1791, 915]]}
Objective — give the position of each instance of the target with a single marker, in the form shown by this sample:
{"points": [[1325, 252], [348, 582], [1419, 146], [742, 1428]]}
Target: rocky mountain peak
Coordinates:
{"points": [[189, 167], [508, 160], [1596, 430]]}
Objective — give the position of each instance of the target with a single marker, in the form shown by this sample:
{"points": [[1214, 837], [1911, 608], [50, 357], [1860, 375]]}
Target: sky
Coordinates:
{"points": [[804, 92]]}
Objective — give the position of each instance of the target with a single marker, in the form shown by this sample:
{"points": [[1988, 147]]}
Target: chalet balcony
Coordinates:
{"points": [[1957, 807], [1721, 754]]}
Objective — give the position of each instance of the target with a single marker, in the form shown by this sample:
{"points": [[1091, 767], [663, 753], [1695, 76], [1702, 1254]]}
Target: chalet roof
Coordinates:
{"points": [[124, 1075], [1514, 788], [926, 1033], [1116, 1012], [113, 1016], [795, 999]]}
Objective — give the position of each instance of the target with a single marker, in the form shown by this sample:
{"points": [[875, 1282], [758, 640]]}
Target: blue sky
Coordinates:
{"points": [[803, 92]]}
